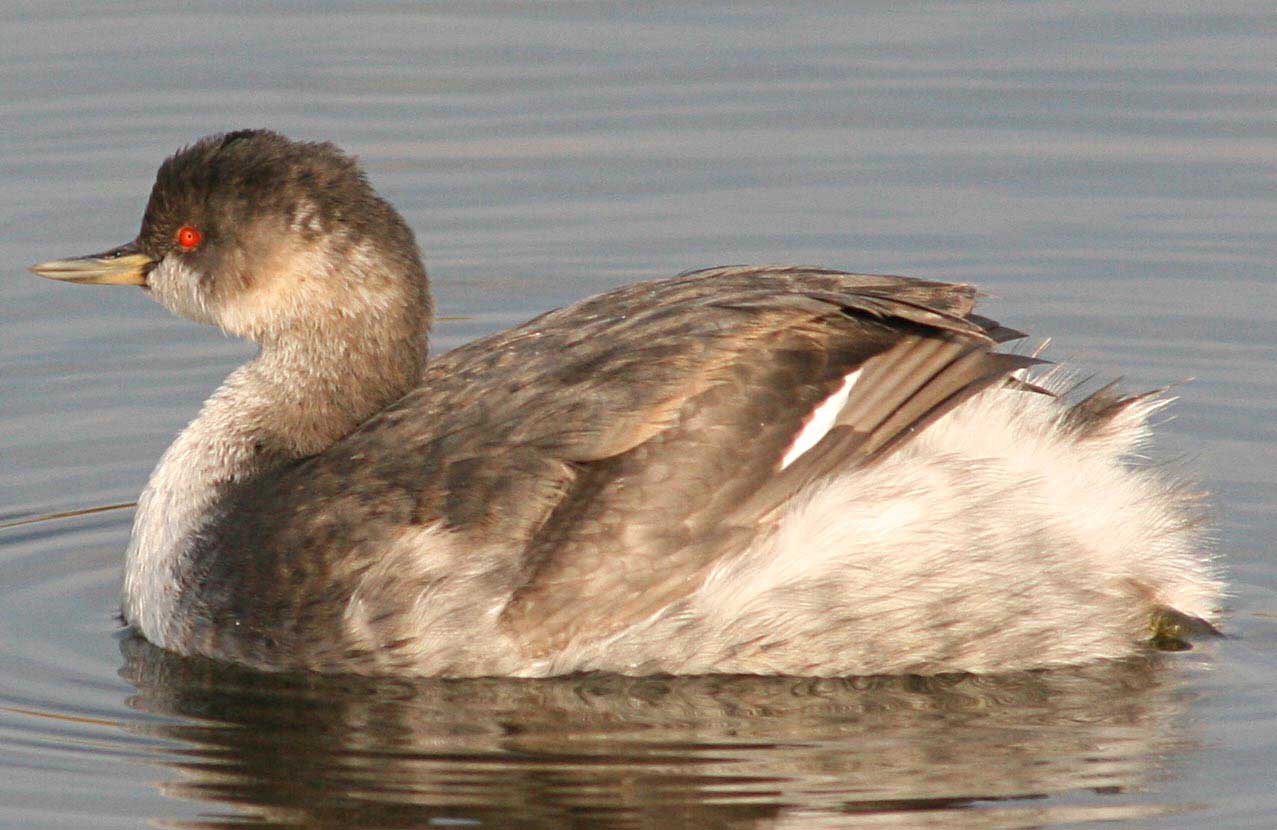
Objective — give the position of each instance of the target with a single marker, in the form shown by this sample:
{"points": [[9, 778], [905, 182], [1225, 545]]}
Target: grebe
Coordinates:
{"points": [[766, 469]]}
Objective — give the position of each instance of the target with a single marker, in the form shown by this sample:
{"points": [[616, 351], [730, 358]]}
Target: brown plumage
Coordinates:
{"points": [[536, 501]]}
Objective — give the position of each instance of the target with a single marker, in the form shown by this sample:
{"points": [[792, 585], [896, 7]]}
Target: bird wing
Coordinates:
{"points": [[653, 439]]}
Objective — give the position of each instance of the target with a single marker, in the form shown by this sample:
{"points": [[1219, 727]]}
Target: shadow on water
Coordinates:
{"points": [[699, 752]]}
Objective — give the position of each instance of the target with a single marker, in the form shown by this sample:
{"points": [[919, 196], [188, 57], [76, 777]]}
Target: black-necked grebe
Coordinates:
{"points": [[767, 469]]}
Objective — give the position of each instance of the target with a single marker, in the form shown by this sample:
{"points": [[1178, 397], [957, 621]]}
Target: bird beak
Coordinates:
{"points": [[125, 265]]}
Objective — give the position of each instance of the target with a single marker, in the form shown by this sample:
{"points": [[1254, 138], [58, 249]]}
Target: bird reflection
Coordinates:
{"points": [[664, 752]]}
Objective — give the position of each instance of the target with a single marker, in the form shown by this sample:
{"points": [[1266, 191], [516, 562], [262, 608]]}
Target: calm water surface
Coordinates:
{"points": [[1107, 173]]}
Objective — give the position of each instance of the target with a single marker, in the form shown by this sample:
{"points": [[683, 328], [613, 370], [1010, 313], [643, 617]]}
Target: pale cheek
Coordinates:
{"points": [[177, 288]]}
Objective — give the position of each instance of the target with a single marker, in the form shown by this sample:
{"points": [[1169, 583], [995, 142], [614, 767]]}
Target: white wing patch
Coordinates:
{"points": [[820, 421]]}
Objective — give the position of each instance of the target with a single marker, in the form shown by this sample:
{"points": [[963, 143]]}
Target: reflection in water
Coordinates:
{"points": [[697, 752]]}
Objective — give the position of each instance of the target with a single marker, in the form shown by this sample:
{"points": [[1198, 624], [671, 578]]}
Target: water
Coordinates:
{"points": [[1105, 173]]}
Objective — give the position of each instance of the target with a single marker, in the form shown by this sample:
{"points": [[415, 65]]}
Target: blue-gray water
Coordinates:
{"points": [[1106, 172]]}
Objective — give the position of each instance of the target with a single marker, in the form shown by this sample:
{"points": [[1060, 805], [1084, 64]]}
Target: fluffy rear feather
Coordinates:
{"points": [[1005, 534]]}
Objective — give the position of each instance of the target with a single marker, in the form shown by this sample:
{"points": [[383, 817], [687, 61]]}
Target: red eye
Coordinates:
{"points": [[188, 237]]}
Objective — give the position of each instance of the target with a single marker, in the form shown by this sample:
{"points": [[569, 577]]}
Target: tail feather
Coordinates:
{"points": [[1107, 415]]}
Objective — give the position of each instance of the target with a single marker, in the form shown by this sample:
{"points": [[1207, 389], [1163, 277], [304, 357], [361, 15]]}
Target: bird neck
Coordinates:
{"points": [[298, 397]]}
